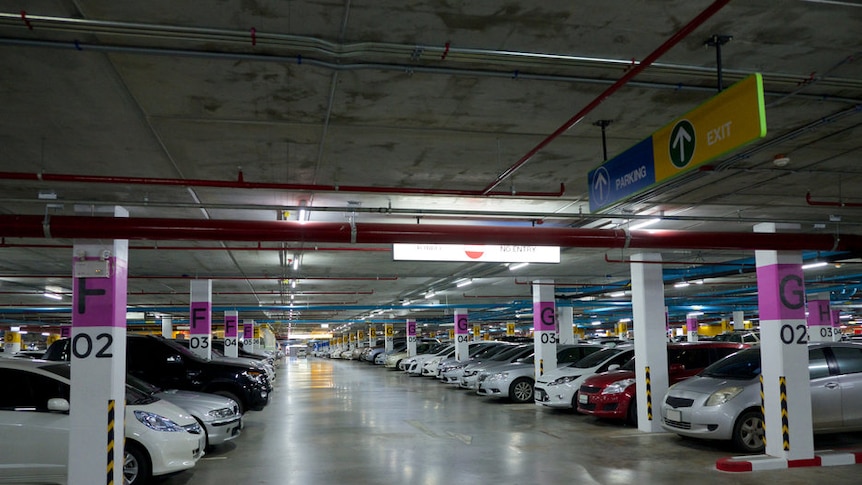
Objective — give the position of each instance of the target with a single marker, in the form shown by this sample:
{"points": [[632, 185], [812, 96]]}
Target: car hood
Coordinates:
{"points": [[196, 401], [606, 378], [708, 385]]}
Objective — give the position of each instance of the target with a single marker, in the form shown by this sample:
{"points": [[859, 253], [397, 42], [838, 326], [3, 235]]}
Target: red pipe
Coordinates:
{"points": [[242, 184], [83, 227], [829, 204], [199, 248], [226, 278], [634, 71]]}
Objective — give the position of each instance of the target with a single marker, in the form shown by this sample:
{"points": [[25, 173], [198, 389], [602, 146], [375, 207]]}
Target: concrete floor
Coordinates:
{"points": [[338, 422]]}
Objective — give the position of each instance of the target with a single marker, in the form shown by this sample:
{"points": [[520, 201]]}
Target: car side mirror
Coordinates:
{"points": [[174, 359], [58, 404], [613, 367], [676, 368]]}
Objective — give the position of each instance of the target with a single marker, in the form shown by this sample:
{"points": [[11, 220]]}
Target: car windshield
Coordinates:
{"points": [[182, 349], [135, 397], [141, 385], [508, 354], [742, 365], [490, 350], [595, 358]]}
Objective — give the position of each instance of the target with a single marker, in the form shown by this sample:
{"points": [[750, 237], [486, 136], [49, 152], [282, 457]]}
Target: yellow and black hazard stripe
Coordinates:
{"points": [[785, 420], [762, 410], [541, 367], [110, 442], [648, 395]]}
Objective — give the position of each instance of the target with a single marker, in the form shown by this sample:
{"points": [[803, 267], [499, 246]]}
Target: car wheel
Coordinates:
{"points": [[233, 396], [575, 403], [521, 390], [748, 432], [632, 415], [136, 465]]}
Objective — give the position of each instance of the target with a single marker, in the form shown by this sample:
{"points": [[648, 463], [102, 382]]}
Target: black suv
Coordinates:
{"points": [[169, 365]]}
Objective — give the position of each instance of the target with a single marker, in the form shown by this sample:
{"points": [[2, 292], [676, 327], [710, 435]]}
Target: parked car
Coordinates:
{"points": [[451, 370], [168, 365], [218, 415], [723, 401], [160, 438], [417, 363], [218, 354], [470, 378], [411, 362], [559, 388], [739, 336], [516, 380], [612, 394]]}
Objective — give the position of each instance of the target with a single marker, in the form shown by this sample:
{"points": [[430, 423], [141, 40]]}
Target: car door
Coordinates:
{"points": [[35, 441], [849, 361], [825, 391]]}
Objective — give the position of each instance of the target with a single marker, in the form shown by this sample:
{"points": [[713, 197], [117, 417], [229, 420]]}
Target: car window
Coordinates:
{"points": [[690, 357], [575, 354], [31, 391], [849, 359], [595, 358], [741, 365], [817, 364]]}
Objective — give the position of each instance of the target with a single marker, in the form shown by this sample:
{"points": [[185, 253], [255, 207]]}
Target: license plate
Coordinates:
{"points": [[583, 398], [674, 415]]}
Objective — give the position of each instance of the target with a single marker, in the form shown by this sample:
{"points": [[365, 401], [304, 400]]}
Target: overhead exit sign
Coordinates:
{"points": [[731, 119]]}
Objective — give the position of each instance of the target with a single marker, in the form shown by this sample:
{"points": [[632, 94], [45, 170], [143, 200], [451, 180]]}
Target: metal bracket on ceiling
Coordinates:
{"points": [[717, 41], [604, 124]]}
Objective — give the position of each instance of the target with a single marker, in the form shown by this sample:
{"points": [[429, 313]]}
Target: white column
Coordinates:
{"points": [[411, 338], [388, 337], [12, 341], [477, 332], [167, 326], [462, 335], [544, 326], [200, 318], [231, 334], [784, 351], [738, 320], [372, 336], [98, 361], [566, 325], [649, 317], [691, 327], [248, 335], [836, 325]]}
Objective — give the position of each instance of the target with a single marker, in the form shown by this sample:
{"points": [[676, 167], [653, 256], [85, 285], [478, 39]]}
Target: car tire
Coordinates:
{"points": [[575, 403], [632, 414], [521, 390], [748, 432], [230, 395], [137, 469]]}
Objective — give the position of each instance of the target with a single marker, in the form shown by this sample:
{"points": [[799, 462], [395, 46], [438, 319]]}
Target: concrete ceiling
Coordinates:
{"points": [[415, 108]]}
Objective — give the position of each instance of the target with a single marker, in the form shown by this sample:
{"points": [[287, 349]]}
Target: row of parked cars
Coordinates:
{"points": [[177, 406], [714, 392]]}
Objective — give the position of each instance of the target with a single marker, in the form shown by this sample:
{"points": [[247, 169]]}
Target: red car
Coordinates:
{"points": [[612, 394]]}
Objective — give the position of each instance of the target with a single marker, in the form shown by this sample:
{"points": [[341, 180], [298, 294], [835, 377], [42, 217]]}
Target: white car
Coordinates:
{"points": [[160, 438], [559, 388], [470, 376], [417, 363]]}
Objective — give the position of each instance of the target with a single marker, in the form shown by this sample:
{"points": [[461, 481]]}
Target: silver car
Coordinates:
{"points": [[723, 401], [219, 415], [470, 376], [516, 380]]}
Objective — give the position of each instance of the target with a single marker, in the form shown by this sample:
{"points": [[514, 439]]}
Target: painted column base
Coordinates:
{"points": [[766, 462]]}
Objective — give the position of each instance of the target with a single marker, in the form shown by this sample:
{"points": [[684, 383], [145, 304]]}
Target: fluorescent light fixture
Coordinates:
{"points": [[695, 314], [324, 325], [697, 307], [52, 296], [845, 317], [617, 294], [46, 334], [698, 282], [14, 329], [430, 294], [295, 262], [292, 296], [405, 302], [464, 282], [681, 284], [597, 322], [646, 223], [625, 320], [515, 267], [293, 283], [818, 264]]}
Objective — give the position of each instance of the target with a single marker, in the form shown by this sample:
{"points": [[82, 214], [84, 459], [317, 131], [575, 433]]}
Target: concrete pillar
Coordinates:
{"points": [[167, 326], [566, 325], [544, 326], [738, 320], [411, 338], [784, 351], [462, 335], [388, 337], [200, 318], [231, 334], [649, 323], [691, 327]]}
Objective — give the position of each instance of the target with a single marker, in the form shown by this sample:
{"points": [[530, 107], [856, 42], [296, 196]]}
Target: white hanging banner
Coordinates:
{"points": [[476, 252]]}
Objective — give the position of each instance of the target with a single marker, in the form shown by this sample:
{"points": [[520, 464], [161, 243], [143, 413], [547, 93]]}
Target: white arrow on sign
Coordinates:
{"points": [[682, 136], [599, 183]]}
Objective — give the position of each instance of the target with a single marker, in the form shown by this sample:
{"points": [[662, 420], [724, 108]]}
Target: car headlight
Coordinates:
{"points": [[618, 386], [500, 375], [221, 413], [157, 422], [562, 380], [721, 396], [254, 375]]}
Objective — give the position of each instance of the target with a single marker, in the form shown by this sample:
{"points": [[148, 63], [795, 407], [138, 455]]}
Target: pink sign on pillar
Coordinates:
{"points": [[462, 335], [65, 331], [200, 318], [691, 327], [231, 330], [546, 312], [819, 321], [411, 338], [248, 334]]}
